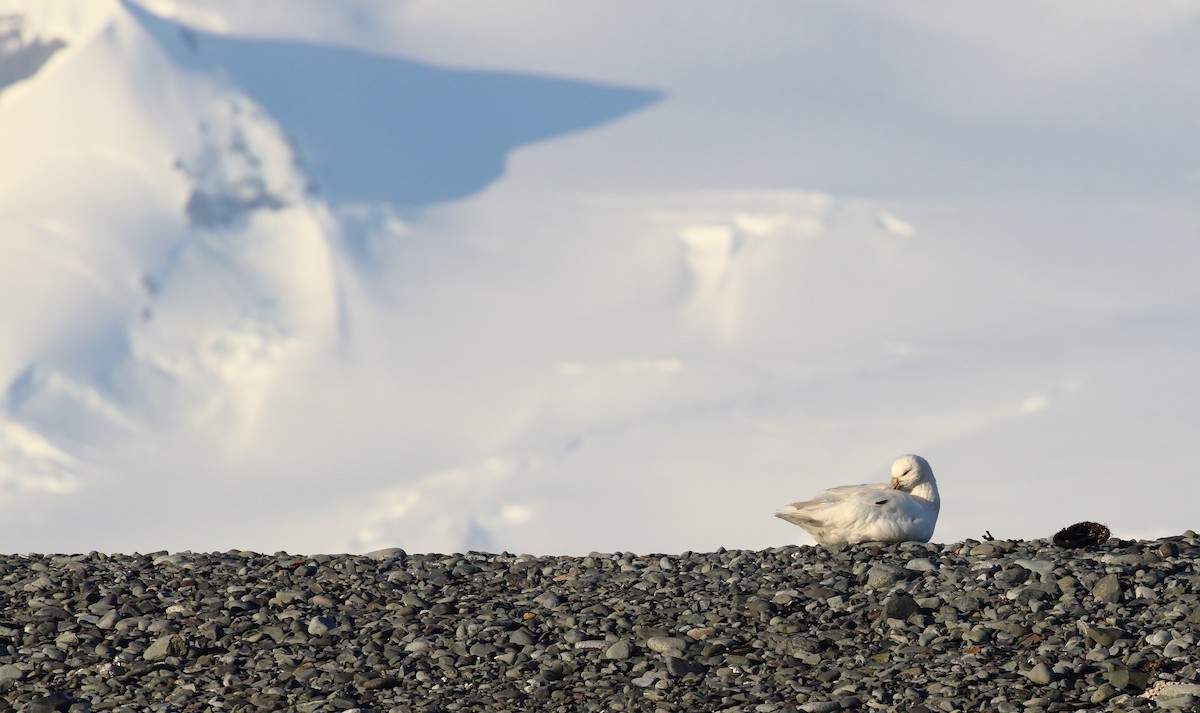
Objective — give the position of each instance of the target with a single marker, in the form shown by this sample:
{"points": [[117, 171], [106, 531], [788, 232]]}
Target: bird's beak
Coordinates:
{"points": [[895, 484]]}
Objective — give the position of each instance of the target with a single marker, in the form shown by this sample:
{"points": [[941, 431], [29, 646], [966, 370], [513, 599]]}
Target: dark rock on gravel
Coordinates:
{"points": [[1082, 534]]}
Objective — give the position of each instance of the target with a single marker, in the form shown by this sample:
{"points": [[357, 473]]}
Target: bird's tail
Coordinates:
{"points": [[795, 514]]}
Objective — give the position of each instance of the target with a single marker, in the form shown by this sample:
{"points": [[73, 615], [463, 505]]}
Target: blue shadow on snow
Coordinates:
{"points": [[382, 129]]}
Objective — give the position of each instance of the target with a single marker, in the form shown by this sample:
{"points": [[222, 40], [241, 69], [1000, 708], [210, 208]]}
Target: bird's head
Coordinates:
{"points": [[910, 471]]}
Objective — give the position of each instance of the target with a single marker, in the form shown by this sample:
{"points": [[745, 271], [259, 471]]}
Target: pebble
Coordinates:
{"points": [[921, 564], [165, 646], [10, 672], [899, 606], [1040, 674], [1035, 565], [884, 576], [1178, 697], [621, 650], [1108, 589], [670, 645], [319, 625], [677, 666], [1103, 693], [1019, 626]]}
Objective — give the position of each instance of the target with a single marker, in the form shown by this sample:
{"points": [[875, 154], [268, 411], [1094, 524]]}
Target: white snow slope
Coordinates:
{"points": [[563, 277]]}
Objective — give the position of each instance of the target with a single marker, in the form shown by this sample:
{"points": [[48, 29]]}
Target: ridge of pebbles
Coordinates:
{"points": [[998, 626]]}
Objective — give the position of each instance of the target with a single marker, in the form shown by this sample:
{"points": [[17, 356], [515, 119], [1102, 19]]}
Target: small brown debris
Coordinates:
{"points": [[1082, 534]]}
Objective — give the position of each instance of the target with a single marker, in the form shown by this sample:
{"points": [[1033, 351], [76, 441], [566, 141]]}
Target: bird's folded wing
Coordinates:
{"points": [[851, 505], [843, 491]]}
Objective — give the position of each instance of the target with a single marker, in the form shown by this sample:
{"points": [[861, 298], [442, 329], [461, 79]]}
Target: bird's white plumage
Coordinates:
{"points": [[904, 509]]}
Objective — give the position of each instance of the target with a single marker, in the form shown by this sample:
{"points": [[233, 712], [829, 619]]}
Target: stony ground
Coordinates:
{"points": [[993, 626]]}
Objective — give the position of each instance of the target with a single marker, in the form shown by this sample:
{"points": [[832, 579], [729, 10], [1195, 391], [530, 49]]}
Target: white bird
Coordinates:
{"points": [[904, 509]]}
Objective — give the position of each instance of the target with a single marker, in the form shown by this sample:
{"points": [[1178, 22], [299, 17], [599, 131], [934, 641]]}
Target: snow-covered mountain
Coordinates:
{"points": [[449, 276]]}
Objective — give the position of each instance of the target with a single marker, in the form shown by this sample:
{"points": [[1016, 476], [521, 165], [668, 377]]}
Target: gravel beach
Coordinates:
{"points": [[991, 626]]}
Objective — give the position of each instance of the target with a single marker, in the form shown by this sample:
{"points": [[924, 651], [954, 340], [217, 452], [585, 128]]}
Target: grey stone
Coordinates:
{"points": [[1039, 566], [170, 645], [415, 600], [418, 646], [1013, 575], [1040, 674], [786, 596], [549, 600], [319, 625], [677, 666], [899, 606], [289, 596], [619, 650], [11, 672], [1103, 693], [884, 576], [1178, 696], [979, 635], [109, 619], [921, 564], [522, 637], [1107, 589], [1121, 677], [1102, 635], [1033, 593], [670, 645], [966, 603]]}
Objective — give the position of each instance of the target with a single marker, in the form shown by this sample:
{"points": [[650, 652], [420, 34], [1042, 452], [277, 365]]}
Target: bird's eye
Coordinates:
{"points": [[881, 502]]}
